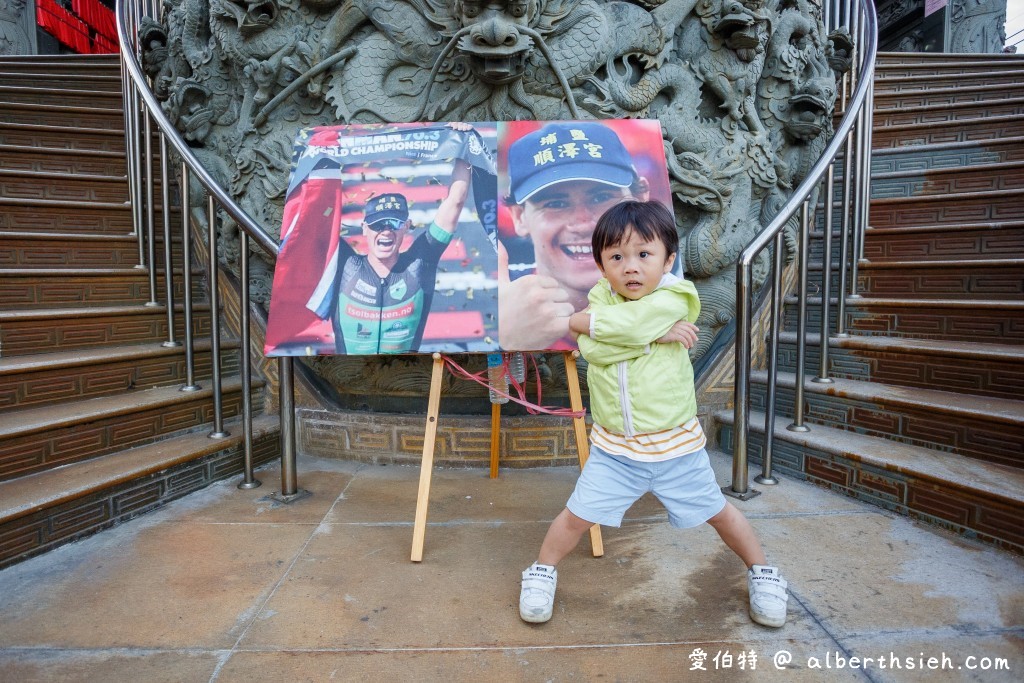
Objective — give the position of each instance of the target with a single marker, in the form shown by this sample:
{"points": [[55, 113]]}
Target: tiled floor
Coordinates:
{"points": [[227, 585]]}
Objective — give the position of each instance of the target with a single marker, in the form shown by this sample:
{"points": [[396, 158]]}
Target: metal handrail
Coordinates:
{"points": [[141, 103], [863, 25]]}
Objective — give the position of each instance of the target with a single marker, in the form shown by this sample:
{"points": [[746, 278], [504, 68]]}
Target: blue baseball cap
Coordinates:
{"points": [[391, 206], [569, 150]]}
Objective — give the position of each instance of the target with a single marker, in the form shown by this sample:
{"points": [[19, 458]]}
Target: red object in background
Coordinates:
{"points": [[102, 46], [99, 17], [63, 26]]}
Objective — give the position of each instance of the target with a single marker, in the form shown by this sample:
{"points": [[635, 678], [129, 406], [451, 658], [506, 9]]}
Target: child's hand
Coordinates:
{"points": [[682, 332]]}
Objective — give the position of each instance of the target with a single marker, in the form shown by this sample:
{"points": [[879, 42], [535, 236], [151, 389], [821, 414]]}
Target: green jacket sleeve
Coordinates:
{"points": [[601, 353], [641, 322]]}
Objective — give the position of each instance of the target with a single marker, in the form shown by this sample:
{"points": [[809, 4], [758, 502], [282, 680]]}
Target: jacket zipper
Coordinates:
{"points": [[627, 411]]}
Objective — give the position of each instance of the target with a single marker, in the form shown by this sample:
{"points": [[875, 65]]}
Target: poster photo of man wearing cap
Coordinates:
{"points": [[371, 214], [379, 302], [557, 179]]}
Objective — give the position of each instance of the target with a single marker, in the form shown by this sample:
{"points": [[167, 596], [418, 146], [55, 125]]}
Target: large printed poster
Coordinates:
{"points": [[458, 237]]}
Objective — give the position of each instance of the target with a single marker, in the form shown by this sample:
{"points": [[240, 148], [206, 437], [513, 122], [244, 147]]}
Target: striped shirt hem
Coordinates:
{"points": [[653, 446]]}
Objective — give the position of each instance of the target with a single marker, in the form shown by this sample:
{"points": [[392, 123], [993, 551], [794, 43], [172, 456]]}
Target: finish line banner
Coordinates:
{"points": [[449, 237]]}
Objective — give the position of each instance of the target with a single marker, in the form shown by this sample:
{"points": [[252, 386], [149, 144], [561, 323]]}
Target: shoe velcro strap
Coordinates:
{"points": [[545, 584], [770, 587]]}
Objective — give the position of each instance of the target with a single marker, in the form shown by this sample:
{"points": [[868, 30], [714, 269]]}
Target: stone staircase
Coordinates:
{"points": [[94, 426], [926, 412]]}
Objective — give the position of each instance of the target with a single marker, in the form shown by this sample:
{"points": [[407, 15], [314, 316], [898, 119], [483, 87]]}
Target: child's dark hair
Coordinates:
{"points": [[651, 220]]}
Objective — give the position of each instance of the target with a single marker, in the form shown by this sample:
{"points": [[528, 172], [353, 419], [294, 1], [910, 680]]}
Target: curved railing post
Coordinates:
{"points": [[861, 20], [140, 101]]}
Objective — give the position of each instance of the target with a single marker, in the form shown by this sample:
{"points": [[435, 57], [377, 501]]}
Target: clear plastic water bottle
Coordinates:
{"points": [[517, 366], [496, 378]]}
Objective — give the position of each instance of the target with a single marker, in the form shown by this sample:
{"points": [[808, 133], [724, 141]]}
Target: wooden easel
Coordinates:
{"points": [[430, 435]]}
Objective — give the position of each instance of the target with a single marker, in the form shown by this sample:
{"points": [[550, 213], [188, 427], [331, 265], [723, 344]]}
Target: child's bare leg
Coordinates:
{"points": [[737, 533], [563, 535]]}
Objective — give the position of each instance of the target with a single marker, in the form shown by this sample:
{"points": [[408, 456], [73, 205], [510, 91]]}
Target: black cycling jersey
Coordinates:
{"points": [[371, 314]]}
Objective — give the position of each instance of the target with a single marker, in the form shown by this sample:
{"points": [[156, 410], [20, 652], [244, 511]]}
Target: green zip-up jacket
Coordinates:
{"points": [[638, 386]]}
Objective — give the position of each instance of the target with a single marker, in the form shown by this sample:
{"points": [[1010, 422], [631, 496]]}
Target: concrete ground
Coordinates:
{"points": [[228, 585]]}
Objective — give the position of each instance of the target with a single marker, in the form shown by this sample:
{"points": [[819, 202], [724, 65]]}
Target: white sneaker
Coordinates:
{"points": [[768, 595], [537, 597]]}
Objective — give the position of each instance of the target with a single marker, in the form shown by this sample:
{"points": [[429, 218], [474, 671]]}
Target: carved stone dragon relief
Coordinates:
{"points": [[744, 90]]}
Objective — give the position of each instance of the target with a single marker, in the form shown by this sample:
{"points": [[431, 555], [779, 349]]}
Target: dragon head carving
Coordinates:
{"points": [[809, 108], [495, 46], [252, 16], [840, 50], [191, 102]]}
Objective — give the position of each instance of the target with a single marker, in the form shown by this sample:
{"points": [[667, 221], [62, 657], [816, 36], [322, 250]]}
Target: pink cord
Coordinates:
{"points": [[531, 408]]}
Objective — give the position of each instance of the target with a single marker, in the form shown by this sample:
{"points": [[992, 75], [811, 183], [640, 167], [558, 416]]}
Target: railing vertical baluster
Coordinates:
{"points": [[801, 325], [866, 164], [857, 168], [289, 480], [766, 477], [741, 407], [165, 199], [186, 258], [248, 480], [826, 278], [844, 230], [150, 217], [135, 145], [218, 399], [127, 98]]}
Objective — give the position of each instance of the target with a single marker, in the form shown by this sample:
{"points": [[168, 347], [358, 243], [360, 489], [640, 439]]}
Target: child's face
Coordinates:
{"points": [[634, 266]]}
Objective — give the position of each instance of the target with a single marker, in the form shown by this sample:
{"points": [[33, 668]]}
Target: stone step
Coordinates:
{"points": [[57, 115], [985, 279], [42, 215], [947, 181], [101, 64], [939, 132], [70, 97], [40, 135], [951, 96], [895, 62], [76, 187], [925, 158], [930, 113], [63, 376], [94, 78], [44, 510], [979, 427], [41, 288], [947, 319], [976, 499], [909, 162], [60, 159], [41, 438], [54, 250], [25, 332], [965, 207], [939, 242], [889, 83], [976, 279], [967, 367]]}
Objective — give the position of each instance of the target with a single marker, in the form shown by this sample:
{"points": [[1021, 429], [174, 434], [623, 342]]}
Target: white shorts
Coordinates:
{"points": [[610, 484]]}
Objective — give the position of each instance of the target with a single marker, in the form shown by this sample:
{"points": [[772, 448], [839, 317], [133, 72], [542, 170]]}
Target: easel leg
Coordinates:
{"points": [[495, 438], [427, 463], [579, 425]]}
